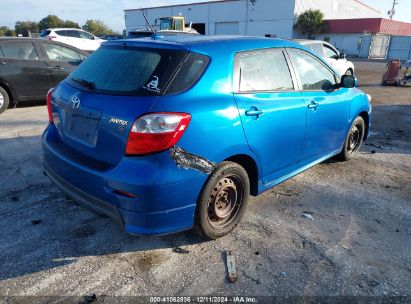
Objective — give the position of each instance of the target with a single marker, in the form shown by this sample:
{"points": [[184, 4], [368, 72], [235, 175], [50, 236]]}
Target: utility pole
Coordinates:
{"points": [[391, 13]]}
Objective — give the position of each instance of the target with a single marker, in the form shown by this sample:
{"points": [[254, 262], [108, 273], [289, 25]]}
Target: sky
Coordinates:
{"points": [[111, 11]]}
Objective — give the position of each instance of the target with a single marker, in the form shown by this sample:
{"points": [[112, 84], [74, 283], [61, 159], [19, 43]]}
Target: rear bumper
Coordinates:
{"points": [[165, 195], [92, 203]]}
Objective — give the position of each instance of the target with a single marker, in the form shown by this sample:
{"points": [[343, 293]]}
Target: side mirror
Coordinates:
{"points": [[348, 81], [343, 56]]}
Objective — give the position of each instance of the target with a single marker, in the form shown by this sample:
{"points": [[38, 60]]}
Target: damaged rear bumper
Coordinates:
{"points": [[150, 223], [164, 192]]}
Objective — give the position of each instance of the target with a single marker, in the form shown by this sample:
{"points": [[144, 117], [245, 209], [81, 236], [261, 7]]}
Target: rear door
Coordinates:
{"points": [[327, 108], [24, 69], [62, 60], [273, 113]]}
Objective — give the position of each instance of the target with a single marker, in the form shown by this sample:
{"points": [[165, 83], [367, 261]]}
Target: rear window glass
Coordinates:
{"points": [[44, 33], [127, 70]]}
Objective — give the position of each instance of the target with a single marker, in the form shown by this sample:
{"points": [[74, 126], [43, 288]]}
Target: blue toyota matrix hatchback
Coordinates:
{"points": [[169, 133]]}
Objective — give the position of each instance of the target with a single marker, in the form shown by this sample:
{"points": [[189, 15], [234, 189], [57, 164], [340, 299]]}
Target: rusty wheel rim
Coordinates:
{"points": [[225, 201]]}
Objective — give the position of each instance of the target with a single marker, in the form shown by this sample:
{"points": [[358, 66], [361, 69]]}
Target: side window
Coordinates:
{"points": [[329, 52], [317, 48], [189, 73], [85, 35], [264, 71], [179, 24], [1, 52], [73, 34], [313, 74], [60, 53], [62, 33], [20, 50]]}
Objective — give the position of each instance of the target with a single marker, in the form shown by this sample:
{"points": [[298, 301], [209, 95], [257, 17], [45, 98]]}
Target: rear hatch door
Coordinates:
{"points": [[95, 108]]}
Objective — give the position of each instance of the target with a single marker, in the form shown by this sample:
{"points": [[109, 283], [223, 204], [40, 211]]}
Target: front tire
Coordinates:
{"points": [[4, 100], [223, 201], [353, 140]]}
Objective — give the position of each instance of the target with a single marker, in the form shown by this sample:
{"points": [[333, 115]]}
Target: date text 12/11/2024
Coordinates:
{"points": [[204, 299]]}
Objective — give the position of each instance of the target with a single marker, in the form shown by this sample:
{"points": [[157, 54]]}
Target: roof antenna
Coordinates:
{"points": [[148, 23]]}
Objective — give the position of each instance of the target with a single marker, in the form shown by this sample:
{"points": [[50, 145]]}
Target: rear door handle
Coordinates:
{"points": [[313, 105], [254, 111], [2, 63], [57, 68]]}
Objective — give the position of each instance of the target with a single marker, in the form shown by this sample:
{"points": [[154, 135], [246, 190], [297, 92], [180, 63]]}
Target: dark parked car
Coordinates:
{"points": [[30, 67]]}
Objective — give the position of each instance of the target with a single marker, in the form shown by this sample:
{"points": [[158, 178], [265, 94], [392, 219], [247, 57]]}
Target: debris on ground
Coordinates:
{"points": [[231, 267], [282, 275], [307, 215], [180, 250]]}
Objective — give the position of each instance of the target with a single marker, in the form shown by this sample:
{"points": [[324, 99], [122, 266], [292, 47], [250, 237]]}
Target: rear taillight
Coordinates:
{"points": [[51, 37], [49, 109], [156, 132]]}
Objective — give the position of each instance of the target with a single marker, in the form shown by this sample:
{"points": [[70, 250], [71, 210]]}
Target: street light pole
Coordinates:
{"points": [[391, 13]]}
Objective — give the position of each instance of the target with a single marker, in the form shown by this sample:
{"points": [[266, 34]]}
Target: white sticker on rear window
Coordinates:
{"points": [[152, 86]]}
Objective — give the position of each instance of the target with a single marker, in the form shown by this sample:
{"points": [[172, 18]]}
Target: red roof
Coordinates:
{"points": [[373, 25]]}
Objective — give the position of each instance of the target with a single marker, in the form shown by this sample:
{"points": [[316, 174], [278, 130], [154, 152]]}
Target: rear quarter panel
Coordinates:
{"points": [[215, 131]]}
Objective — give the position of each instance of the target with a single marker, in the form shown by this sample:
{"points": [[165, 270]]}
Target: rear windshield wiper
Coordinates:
{"points": [[85, 83]]}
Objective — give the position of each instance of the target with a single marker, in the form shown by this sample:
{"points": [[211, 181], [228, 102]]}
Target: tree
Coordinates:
{"points": [[70, 24], [311, 22], [24, 27], [51, 21], [6, 31], [98, 28]]}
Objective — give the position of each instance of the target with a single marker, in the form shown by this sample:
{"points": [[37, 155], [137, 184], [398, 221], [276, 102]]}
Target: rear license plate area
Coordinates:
{"points": [[81, 129]]}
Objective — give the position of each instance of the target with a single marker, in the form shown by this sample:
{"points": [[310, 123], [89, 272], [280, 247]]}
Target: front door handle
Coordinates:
{"points": [[254, 111], [2, 63], [313, 105]]}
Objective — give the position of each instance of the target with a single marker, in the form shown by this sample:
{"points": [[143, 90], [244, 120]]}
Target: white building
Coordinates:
{"points": [[353, 27], [273, 18]]}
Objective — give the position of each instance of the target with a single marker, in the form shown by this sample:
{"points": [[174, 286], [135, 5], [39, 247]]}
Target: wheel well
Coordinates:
{"points": [[7, 89], [364, 116], [248, 163]]}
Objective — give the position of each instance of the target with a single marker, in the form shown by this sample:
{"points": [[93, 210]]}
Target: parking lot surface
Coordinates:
{"points": [[336, 229]]}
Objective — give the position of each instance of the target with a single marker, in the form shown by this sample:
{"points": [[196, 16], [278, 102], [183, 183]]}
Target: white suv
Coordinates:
{"points": [[75, 37], [326, 50]]}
